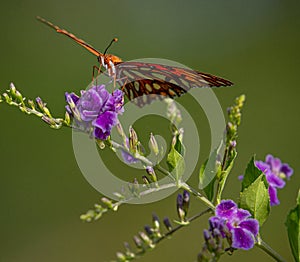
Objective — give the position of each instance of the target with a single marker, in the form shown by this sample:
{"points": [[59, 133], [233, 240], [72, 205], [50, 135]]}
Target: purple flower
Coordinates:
{"points": [[275, 172], [235, 224], [97, 110]]}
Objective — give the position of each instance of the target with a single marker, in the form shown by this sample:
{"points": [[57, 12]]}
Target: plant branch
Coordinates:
{"points": [[271, 252]]}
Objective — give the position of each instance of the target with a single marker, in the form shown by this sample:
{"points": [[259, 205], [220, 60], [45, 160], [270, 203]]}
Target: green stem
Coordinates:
{"points": [[55, 123], [167, 173], [143, 159], [187, 187], [271, 252], [198, 195], [181, 226], [172, 231]]}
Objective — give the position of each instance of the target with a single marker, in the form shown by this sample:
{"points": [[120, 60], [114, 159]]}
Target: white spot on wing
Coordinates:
{"points": [[148, 87], [137, 86]]}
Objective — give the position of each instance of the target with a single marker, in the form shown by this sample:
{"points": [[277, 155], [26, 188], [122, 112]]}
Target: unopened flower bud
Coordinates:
{"points": [[73, 107], [174, 140], [233, 144], [70, 100], [133, 140], [229, 110], [128, 249], [155, 221], [120, 129], [206, 235], [154, 145], [229, 127], [134, 187], [40, 103], [146, 239], [186, 201], [121, 257], [46, 111], [180, 211], [167, 223], [119, 195], [19, 97], [7, 98], [138, 242], [107, 202], [216, 233], [67, 118], [12, 89], [31, 103], [211, 244], [146, 180], [148, 230], [240, 100], [151, 173], [127, 246]]}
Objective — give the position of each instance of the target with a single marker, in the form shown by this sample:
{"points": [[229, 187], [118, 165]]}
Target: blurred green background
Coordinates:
{"points": [[253, 43]]}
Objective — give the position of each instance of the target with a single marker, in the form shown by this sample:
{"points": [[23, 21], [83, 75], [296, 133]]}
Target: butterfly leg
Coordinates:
{"points": [[96, 72]]}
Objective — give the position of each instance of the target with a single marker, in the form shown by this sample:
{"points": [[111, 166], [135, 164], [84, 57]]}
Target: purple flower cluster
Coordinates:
{"points": [[96, 109], [234, 224], [276, 172]]}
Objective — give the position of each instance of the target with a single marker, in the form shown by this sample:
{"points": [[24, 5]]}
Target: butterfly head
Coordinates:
{"points": [[114, 59], [109, 61]]}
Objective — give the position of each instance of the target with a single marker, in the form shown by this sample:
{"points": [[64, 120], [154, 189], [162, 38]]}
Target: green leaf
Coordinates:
{"points": [[204, 179], [208, 174], [251, 174], [179, 147], [224, 175], [255, 198], [293, 227], [176, 163]]}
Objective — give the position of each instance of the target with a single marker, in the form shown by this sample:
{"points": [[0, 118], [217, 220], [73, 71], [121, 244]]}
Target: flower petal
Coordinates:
{"points": [[242, 214], [115, 102], [262, 166], [273, 196], [87, 115], [276, 165], [104, 123], [100, 134], [275, 180], [226, 209], [242, 238], [287, 170], [72, 96], [269, 159], [251, 225], [219, 223]]}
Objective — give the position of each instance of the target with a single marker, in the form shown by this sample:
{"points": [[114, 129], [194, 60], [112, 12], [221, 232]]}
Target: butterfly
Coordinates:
{"points": [[146, 80]]}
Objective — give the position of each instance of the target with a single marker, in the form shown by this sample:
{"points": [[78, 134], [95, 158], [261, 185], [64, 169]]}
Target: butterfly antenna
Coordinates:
{"points": [[111, 42], [44, 21], [73, 37]]}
